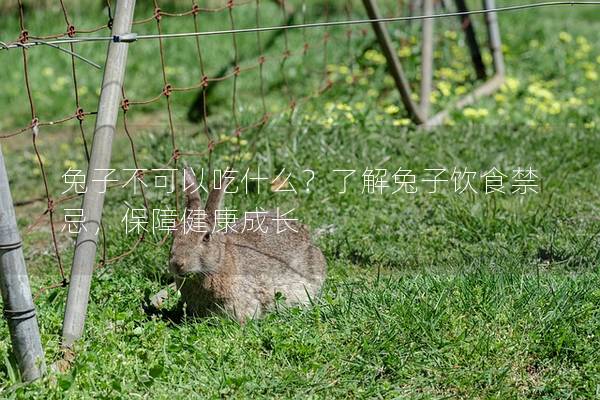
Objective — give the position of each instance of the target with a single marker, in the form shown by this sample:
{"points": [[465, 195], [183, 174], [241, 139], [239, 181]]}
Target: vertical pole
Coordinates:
{"points": [[471, 39], [426, 58], [93, 200], [491, 20], [393, 63], [19, 310]]}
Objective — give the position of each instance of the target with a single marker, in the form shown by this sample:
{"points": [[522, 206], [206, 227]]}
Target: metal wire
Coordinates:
{"points": [[34, 42]]}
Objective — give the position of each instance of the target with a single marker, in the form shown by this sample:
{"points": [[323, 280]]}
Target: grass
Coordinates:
{"points": [[441, 295]]}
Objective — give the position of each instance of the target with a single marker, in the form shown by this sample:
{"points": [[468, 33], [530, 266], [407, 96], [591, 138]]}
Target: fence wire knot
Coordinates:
{"points": [[204, 81], [305, 48], [230, 4], [157, 14], [71, 31], [24, 36], [167, 90], [80, 114], [34, 126], [125, 104], [176, 154], [261, 60], [238, 132], [286, 54], [50, 206], [139, 174], [195, 9], [236, 70]]}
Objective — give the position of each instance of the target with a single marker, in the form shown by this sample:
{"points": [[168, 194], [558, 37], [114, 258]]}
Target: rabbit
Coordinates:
{"points": [[241, 272]]}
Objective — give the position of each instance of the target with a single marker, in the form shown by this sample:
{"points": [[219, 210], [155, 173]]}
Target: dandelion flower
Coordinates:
{"points": [[401, 122], [591, 75], [375, 57], [565, 37], [445, 88], [392, 109], [510, 84], [404, 52]]}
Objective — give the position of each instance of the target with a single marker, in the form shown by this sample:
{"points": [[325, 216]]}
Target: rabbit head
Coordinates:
{"points": [[199, 249]]}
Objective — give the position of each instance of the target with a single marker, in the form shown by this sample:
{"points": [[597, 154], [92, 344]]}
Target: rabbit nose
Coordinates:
{"points": [[176, 266]]}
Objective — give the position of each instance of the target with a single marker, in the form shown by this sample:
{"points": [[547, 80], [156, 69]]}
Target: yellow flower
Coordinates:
{"points": [[460, 90], [343, 70], [591, 75], [589, 125], [433, 98], [452, 35], [534, 44], [401, 122], [375, 57], [392, 109], [500, 98], [327, 123], [554, 108], [580, 90], [372, 93], [574, 102], [350, 117], [445, 88], [70, 164], [475, 113], [404, 52], [360, 106], [565, 37], [343, 107], [510, 84], [537, 90]]}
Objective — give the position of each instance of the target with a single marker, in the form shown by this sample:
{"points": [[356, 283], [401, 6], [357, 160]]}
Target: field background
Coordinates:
{"points": [[440, 295]]}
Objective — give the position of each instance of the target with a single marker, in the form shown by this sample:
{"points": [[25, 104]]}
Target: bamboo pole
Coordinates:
{"points": [[393, 62], [93, 200], [19, 309]]}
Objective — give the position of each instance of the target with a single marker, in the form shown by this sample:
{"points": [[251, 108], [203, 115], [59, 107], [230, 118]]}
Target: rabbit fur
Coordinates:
{"points": [[239, 272]]}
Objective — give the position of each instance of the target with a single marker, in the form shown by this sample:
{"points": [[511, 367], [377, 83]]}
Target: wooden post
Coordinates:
{"points": [[393, 62], [471, 39], [491, 20], [427, 58], [19, 309], [93, 200]]}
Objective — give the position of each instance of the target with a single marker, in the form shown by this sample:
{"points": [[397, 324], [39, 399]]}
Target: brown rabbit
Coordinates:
{"points": [[241, 272]]}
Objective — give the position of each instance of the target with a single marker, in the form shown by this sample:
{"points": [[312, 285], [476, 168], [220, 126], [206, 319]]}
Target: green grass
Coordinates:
{"points": [[440, 295]]}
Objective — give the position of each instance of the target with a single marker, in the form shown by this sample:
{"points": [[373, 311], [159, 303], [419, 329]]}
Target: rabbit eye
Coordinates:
{"points": [[206, 237]]}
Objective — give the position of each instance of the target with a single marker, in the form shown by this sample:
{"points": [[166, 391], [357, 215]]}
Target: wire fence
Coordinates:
{"points": [[233, 73], [238, 69]]}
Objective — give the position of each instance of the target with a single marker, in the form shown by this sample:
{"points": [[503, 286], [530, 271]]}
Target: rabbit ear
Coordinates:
{"points": [[214, 201], [191, 190]]}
